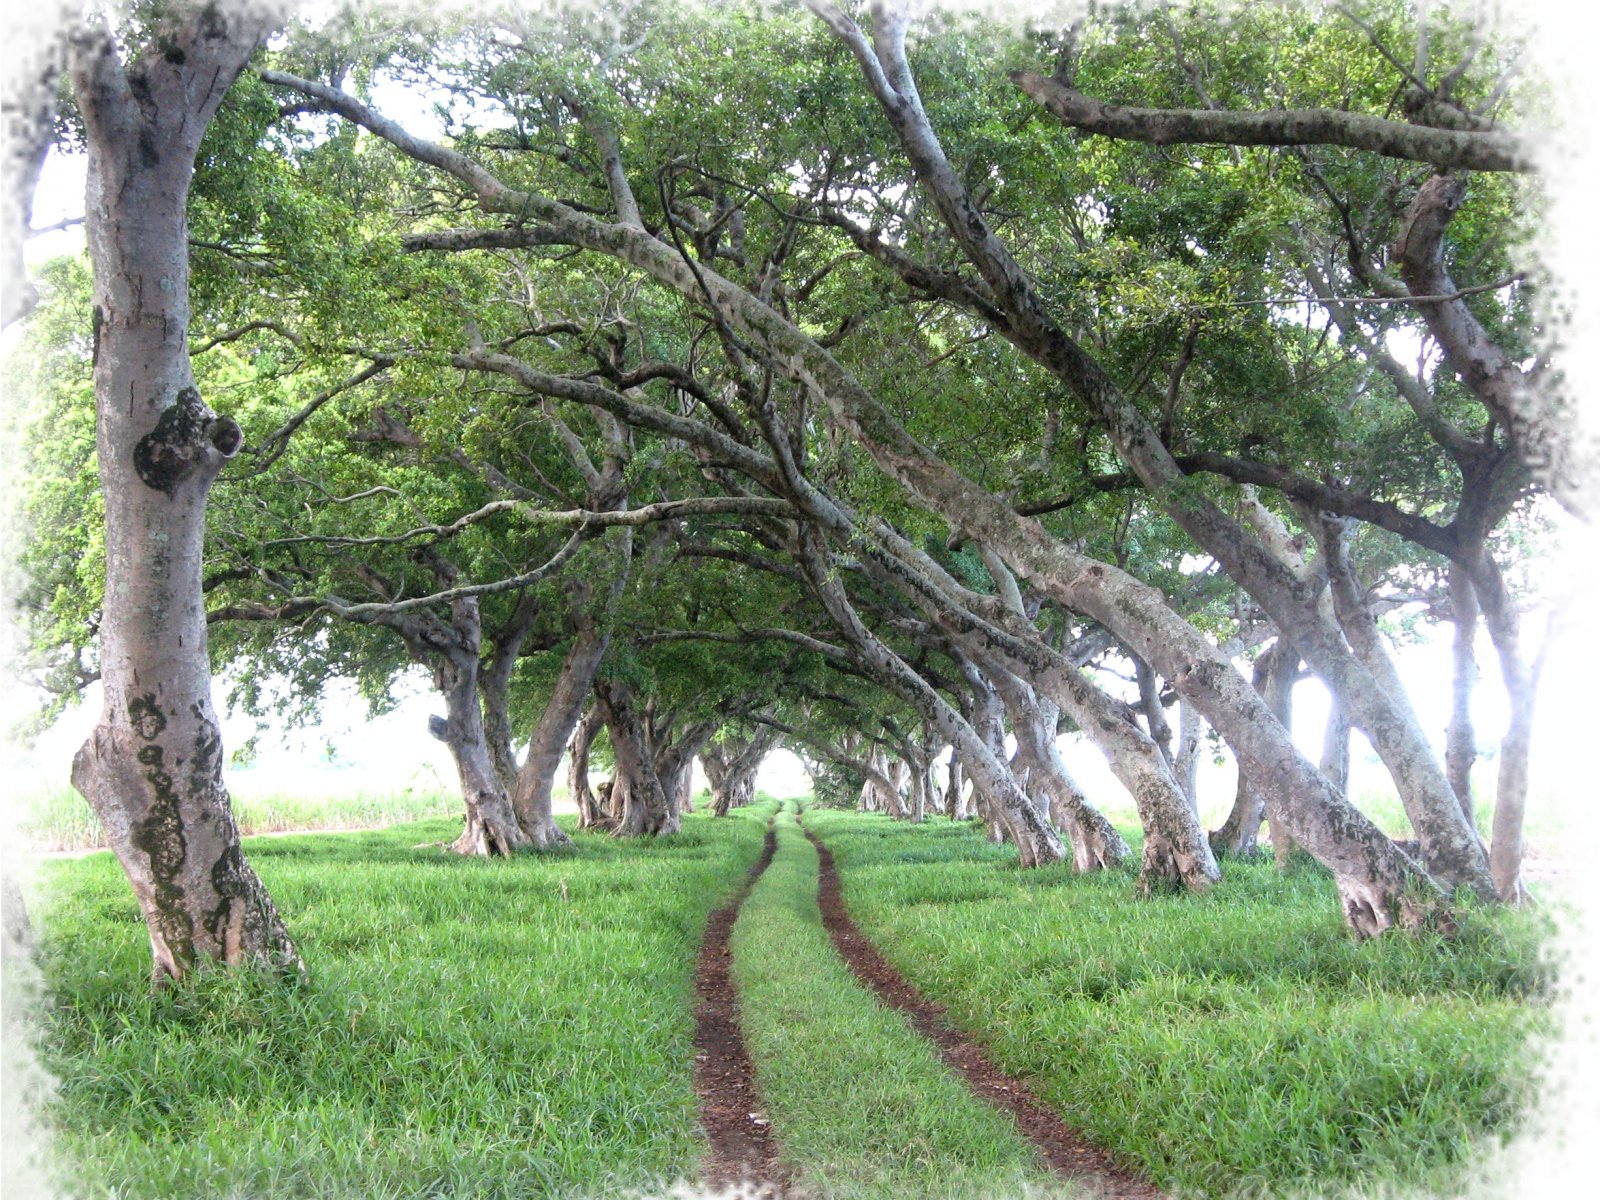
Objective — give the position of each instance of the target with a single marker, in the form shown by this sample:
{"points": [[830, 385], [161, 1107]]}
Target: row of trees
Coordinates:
{"points": [[845, 379]]}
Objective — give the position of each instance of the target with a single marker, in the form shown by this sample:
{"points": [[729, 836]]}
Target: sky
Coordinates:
{"points": [[1563, 34]]}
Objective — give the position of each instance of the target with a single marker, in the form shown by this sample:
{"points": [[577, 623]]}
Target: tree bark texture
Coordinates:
{"points": [[591, 812], [640, 806], [531, 798], [152, 767], [491, 828], [1461, 739]]}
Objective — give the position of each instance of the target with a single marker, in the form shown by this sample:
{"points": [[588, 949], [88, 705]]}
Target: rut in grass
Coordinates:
{"points": [[1066, 1151], [743, 1153]]}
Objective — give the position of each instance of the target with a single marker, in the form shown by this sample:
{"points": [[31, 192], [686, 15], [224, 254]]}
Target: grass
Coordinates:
{"points": [[859, 1102], [471, 1029], [494, 1029], [1237, 1042], [62, 819]]}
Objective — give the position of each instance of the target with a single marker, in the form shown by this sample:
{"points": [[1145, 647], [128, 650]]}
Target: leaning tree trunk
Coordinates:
{"points": [[557, 724], [639, 807], [1037, 843], [1176, 853], [1451, 852], [1240, 833], [591, 812], [1096, 844], [152, 768], [1378, 885]]}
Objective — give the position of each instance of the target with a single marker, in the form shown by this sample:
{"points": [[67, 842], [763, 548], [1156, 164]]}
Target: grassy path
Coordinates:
{"points": [[499, 1030], [1065, 1150], [861, 1104], [742, 1149]]}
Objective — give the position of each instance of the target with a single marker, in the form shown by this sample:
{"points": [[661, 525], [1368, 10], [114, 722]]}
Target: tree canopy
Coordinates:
{"points": [[881, 383]]}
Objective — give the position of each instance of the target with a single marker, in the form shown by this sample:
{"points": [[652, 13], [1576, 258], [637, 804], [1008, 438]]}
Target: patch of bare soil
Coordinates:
{"points": [[1067, 1152], [743, 1154]]}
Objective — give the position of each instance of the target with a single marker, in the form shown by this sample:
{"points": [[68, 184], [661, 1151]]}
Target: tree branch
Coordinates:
{"points": [[1491, 150]]}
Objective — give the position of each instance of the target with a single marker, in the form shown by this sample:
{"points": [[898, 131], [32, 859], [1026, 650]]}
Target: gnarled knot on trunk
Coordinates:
{"points": [[187, 436]]}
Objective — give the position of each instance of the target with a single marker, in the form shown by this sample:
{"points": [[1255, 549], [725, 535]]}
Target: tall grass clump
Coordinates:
{"points": [[471, 1028], [1230, 1043], [861, 1105]]}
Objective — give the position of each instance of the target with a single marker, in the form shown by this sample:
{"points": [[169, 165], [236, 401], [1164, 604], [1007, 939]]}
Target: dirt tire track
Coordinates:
{"points": [[743, 1154], [1065, 1150]]}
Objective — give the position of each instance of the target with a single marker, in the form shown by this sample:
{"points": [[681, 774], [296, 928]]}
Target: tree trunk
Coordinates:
{"points": [[1176, 852], [1187, 765], [591, 811], [561, 716], [1335, 762], [152, 768], [1451, 849], [1282, 672], [1240, 833], [494, 686], [491, 828], [731, 768], [955, 806], [1155, 717], [1521, 680], [1461, 740], [640, 806], [674, 764], [1096, 844]]}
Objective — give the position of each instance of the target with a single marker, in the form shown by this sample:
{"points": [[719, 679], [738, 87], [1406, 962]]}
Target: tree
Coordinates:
{"points": [[152, 768]]}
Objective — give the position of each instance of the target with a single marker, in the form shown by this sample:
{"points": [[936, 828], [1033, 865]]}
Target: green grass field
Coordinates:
{"points": [[524, 1028], [1240, 1041], [471, 1029]]}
